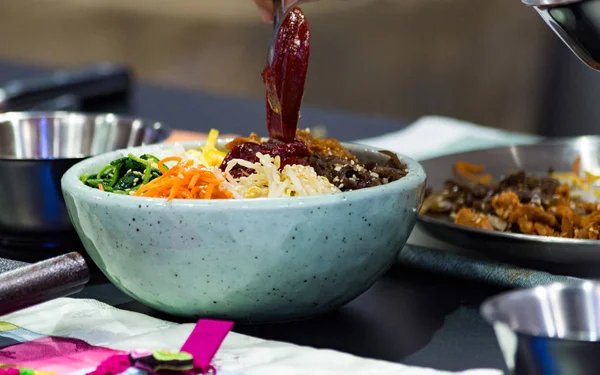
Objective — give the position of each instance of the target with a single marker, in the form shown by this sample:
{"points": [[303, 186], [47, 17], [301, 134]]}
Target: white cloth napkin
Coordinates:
{"points": [[433, 136], [103, 325]]}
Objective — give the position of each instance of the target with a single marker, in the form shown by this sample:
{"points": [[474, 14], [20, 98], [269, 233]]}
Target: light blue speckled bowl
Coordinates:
{"points": [[255, 260]]}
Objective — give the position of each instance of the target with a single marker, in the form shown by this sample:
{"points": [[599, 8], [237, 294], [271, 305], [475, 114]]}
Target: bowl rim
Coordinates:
{"points": [[163, 130], [489, 314], [71, 183]]}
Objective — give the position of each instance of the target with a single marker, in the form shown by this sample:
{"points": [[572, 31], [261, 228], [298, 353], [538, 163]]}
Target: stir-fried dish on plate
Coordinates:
{"points": [[552, 204], [290, 162]]}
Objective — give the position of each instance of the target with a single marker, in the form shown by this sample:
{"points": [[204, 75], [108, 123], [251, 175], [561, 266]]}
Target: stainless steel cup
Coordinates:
{"points": [[37, 148], [548, 330], [577, 24]]}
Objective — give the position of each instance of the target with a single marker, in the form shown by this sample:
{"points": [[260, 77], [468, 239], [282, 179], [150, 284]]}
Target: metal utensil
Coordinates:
{"points": [[278, 17], [40, 282], [519, 249], [548, 330], [280, 10], [577, 24], [36, 148]]}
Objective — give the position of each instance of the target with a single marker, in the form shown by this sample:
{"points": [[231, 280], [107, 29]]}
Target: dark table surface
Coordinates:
{"points": [[409, 316], [193, 110]]}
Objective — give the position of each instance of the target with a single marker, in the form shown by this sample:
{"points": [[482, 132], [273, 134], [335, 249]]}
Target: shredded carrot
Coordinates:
{"points": [[469, 171], [193, 181], [183, 181], [100, 187], [161, 164], [209, 190]]}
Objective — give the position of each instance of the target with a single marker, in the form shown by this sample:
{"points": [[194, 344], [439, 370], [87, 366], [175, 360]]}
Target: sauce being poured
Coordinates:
{"points": [[290, 153], [284, 79], [284, 82]]}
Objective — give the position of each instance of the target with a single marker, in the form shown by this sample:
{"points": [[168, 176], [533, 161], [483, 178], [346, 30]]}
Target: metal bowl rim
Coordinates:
{"points": [[164, 131], [513, 236], [485, 309], [542, 142]]}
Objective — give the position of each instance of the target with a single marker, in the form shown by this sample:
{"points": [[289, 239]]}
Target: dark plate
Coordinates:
{"points": [[511, 247]]}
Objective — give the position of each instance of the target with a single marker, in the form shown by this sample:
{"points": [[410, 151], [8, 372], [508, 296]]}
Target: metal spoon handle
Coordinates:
{"points": [[278, 12], [41, 282], [280, 9]]}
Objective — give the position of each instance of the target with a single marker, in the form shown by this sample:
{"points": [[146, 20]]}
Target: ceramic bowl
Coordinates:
{"points": [[254, 260]]}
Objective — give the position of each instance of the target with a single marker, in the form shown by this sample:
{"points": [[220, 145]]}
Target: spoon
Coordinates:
{"points": [[280, 9]]}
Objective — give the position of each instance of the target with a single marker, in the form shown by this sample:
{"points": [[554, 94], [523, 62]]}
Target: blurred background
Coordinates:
{"points": [[491, 62]]}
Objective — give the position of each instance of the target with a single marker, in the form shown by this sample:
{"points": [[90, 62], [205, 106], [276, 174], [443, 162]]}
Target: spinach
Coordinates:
{"points": [[128, 182], [125, 174]]}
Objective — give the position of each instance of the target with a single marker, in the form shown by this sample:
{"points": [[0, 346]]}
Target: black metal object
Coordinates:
{"points": [[29, 285], [9, 265], [97, 88]]}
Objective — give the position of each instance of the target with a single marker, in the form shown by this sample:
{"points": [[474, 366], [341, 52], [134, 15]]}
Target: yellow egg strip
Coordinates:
{"points": [[209, 154]]}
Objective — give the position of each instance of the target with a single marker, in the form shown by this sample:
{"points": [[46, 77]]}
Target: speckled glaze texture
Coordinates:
{"points": [[259, 260]]}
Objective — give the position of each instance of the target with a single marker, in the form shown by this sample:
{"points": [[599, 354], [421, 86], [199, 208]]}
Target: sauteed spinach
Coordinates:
{"points": [[124, 175]]}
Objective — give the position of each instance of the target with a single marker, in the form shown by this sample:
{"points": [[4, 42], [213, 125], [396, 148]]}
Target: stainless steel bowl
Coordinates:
{"points": [[552, 329], [37, 148]]}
